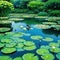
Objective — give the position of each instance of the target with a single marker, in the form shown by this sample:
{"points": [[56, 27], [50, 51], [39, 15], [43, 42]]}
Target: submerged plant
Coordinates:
{"points": [[30, 56], [1, 45]]}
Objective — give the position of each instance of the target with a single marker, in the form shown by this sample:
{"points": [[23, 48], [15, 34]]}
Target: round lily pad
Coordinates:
{"points": [[36, 37], [48, 39], [10, 44], [17, 35], [58, 56], [53, 44], [42, 51], [10, 33], [5, 58], [1, 36], [20, 45], [8, 50], [4, 29], [45, 47], [6, 40], [29, 47], [17, 58], [55, 50], [30, 56], [48, 56], [29, 43], [1, 45]]}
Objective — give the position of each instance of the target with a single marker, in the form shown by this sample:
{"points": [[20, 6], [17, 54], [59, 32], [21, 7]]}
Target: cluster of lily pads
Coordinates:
{"points": [[11, 42]]}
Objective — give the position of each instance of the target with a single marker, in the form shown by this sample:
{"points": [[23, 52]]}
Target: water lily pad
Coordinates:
{"points": [[29, 43], [29, 47], [17, 35], [5, 58], [36, 37], [10, 33], [10, 44], [48, 56], [6, 40], [44, 47], [20, 45], [42, 51], [55, 50], [48, 39], [30, 56], [1, 36], [17, 58], [1, 45], [53, 44], [58, 56], [4, 29], [40, 26], [8, 50]]}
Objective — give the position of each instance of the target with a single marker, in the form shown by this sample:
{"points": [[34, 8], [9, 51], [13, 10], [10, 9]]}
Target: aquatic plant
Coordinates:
{"points": [[53, 44], [48, 56], [1, 36], [8, 50], [40, 26], [1, 45], [4, 29], [29, 43], [30, 56], [42, 51], [59, 42], [48, 39], [12, 44], [58, 56], [18, 58], [37, 37], [44, 47], [5, 58], [55, 50], [6, 40], [30, 47]]}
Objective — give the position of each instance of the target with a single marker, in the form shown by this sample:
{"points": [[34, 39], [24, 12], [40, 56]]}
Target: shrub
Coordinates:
{"points": [[54, 13], [5, 8], [43, 14], [52, 4], [36, 5]]}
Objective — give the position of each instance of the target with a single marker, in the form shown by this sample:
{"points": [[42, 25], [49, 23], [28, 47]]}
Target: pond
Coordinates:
{"points": [[30, 40]]}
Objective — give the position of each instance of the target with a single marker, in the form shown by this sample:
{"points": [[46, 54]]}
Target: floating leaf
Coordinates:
{"points": [[8, 50], [10, 44], [6, 40], [17, 58], [5, 58], [30, 56], [48, 39], [36, 37], [42, 51], [30, 47], [29, 43], [48, 57]]}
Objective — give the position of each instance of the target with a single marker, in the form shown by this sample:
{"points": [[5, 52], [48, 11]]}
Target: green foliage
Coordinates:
{"points": [[52, 4], [54, 13], [36, 5], [5, 8], [43, 14]]}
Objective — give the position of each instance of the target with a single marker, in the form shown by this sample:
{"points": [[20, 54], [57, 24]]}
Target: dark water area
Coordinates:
{"points": [[33, 31]]}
